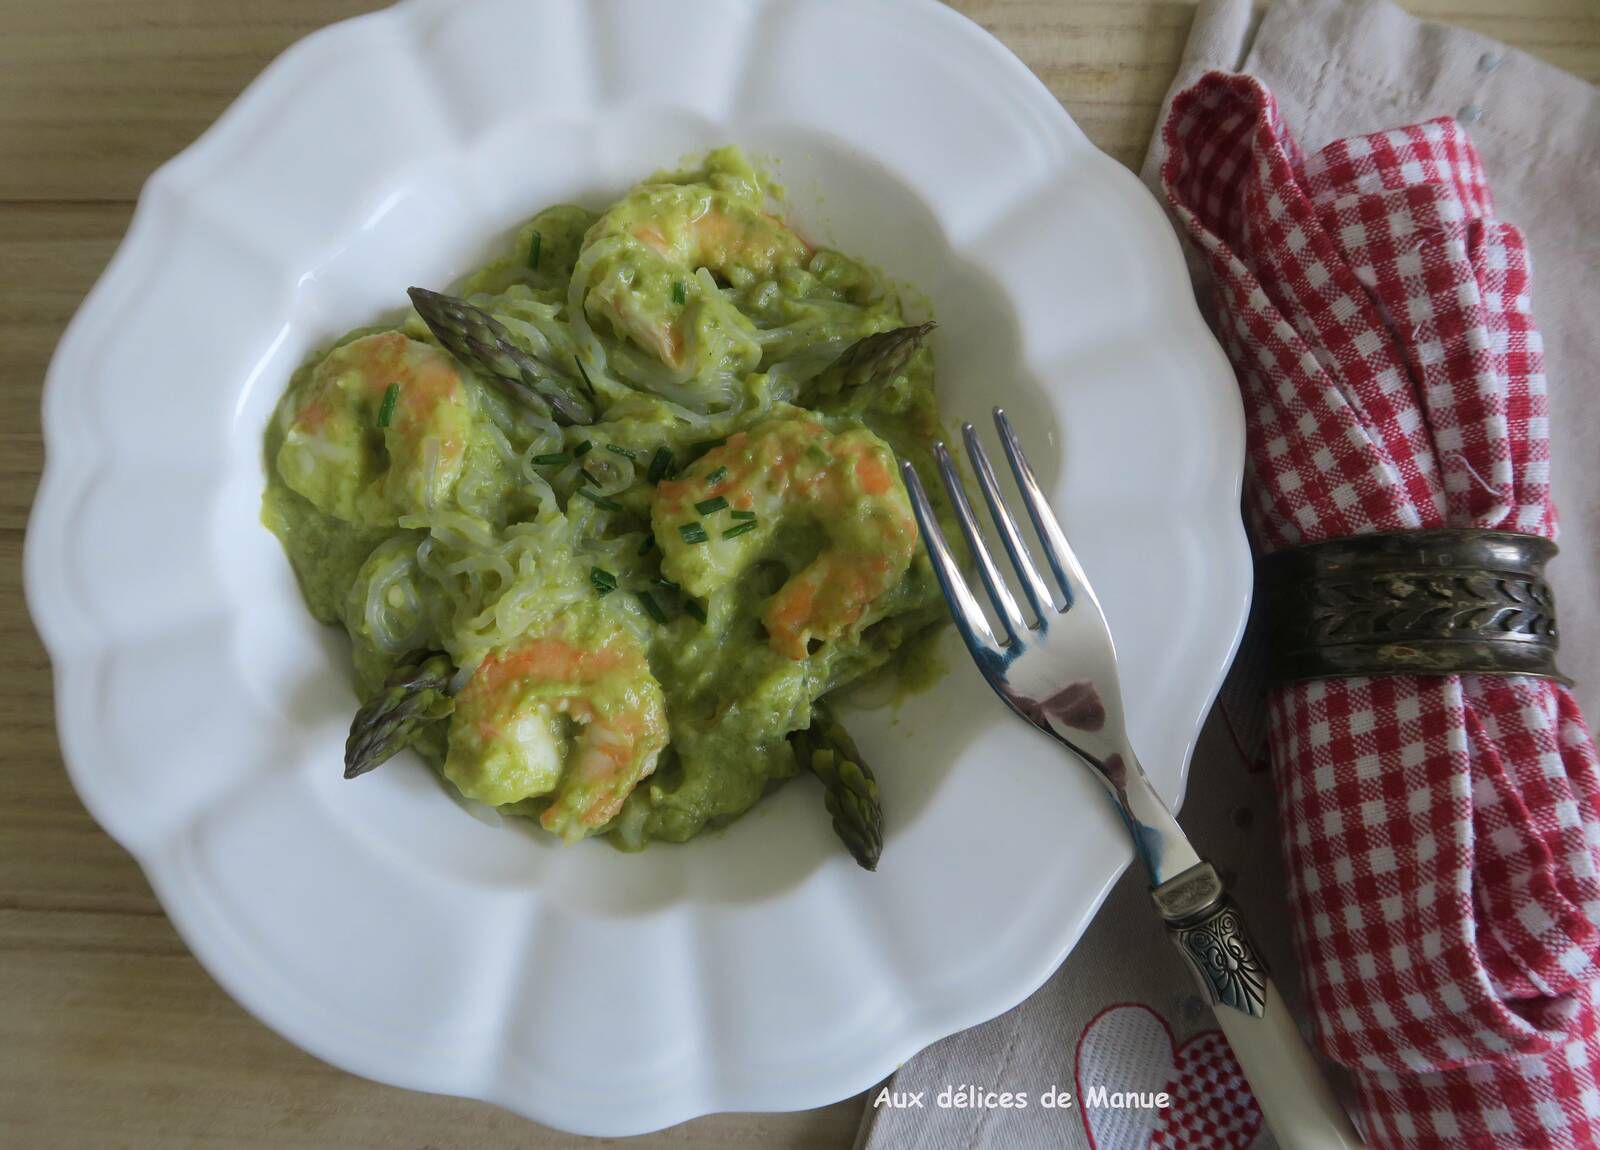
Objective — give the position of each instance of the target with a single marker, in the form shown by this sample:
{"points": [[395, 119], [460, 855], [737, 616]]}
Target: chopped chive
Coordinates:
{"points": [[651, 607], [618, 449], [667, 583], [535, 246], [693, 532], [599, 500], [550, 459], [709, 506], [583, 371], [386, 408], [660, 465], [585, 477], [602, 580], [583, 449], [690, 607], [649, 542], [739, 528], [740, 513], [678, 293], [716, 476]]}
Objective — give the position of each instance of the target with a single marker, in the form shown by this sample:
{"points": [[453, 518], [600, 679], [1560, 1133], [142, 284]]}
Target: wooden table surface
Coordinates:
{"points": [[110, 1033]]}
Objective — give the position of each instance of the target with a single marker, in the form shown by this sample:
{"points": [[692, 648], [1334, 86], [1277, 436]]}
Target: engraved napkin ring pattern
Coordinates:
{"points": [[1445, 602]]}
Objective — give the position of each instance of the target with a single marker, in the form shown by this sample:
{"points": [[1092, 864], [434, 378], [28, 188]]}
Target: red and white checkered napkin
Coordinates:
{"points": [[1442, 834]]}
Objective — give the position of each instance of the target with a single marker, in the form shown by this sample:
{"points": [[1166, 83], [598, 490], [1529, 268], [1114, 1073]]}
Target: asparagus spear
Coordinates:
{"points": [[415, 694], [874, 359], [827, 751], [477, 339]]}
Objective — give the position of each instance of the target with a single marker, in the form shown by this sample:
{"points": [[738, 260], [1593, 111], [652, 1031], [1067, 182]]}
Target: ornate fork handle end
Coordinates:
{"points": [[1209, 932]]}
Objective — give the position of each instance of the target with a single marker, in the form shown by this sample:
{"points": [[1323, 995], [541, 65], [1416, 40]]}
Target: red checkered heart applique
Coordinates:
{"points": [[1129, 1049]]}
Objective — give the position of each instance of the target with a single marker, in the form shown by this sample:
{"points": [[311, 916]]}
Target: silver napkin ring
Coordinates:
{"points": [[1449, 602]]}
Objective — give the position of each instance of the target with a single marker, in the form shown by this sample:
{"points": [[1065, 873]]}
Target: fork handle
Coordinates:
{"points": [[1295, 1099]]}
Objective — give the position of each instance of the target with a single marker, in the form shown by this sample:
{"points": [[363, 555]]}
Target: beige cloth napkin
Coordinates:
{"points": [[1337, 67]]}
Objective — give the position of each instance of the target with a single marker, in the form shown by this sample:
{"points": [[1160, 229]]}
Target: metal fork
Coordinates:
{"points": [[1055, 665]]}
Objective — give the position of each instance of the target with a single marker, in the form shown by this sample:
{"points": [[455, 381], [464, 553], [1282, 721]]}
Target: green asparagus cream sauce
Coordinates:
{"points": [[650, 554]]}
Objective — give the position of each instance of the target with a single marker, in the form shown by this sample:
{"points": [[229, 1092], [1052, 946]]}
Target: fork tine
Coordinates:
{"points": [[1033, 585], [1005, 604], [1069, 573], [969, 616]]}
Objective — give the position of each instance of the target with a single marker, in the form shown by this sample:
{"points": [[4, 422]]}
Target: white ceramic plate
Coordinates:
{"points": [[380, 925]]}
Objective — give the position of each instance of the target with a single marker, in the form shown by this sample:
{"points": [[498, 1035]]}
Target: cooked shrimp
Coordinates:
{"points": [[380, 429], [777, 491], [573, 714], [655, 240]]}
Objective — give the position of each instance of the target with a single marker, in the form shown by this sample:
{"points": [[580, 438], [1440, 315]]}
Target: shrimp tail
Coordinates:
{"points": [[827, 751], [478, 340], [416, 693], [874, 360]]}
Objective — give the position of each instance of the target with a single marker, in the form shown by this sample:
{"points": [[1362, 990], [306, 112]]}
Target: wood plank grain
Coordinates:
{"points": [[95, 93], [1108, 63], [110, 1033], [52, 254]]}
